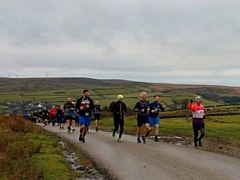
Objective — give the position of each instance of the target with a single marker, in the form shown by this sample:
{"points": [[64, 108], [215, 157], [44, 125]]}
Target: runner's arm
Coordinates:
{"points": [[191, 106], [161, 107], [136, 109]]}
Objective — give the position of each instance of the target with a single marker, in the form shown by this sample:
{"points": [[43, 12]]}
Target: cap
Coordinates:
{"points": [[198, 97], [120, 96]]}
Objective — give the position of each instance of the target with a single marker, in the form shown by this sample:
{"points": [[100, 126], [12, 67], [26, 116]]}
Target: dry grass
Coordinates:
{"points": [[15, 151]]}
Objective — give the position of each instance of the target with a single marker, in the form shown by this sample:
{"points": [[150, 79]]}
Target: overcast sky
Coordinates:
{"points": [[165, 41]]}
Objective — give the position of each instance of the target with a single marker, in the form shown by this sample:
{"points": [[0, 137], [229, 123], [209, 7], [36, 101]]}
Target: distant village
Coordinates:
{"points": [[23, 108]]}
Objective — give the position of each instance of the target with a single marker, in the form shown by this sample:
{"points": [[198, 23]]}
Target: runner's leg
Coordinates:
{"points": [[202, 130], [195, 130], [121, 122]]}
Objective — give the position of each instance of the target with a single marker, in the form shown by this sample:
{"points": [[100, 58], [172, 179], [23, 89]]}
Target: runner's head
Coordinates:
{"points": [[69, 100], [86, 93], [53, 107], [198, 99], [143, 95], [96, 102], [156, 98], [120, 97]]}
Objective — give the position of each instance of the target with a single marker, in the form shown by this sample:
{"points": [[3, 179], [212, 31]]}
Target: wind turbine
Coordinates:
{"points": [[16, 75], [47, 74]]}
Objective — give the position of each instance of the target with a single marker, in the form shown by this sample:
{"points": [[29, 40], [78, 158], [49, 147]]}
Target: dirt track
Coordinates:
{"points": [[153, 160]]}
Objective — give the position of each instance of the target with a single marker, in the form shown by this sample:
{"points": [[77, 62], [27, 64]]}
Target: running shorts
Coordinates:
{"points": [[85, 120], [154, 121]]}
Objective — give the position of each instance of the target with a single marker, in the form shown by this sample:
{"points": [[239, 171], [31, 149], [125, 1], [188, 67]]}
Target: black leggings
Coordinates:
{"points": [[196, 128], [118, 122]]}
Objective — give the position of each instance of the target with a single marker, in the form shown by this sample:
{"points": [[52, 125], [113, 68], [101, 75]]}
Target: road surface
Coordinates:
{"points": [[129, 160]]}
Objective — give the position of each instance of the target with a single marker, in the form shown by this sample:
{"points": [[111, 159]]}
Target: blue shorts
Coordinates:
{"points": [[154, 121], [84, 120]]}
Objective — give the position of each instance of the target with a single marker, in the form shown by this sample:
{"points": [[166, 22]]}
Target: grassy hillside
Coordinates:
{"points": [[56, 90]]}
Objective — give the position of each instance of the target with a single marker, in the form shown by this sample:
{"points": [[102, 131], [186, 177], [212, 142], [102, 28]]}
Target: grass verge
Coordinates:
{"points": [[29, 152]]}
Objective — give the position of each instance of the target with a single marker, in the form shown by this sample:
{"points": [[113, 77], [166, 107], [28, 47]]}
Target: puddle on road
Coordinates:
{"points": [[213, 146], [176, 140]]}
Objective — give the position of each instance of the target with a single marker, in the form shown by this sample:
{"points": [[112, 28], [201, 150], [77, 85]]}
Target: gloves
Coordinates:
{"points": [[191, 101]]}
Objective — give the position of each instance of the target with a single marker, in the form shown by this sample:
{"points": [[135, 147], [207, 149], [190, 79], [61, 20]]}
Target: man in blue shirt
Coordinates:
{"points": [[154, 118]]}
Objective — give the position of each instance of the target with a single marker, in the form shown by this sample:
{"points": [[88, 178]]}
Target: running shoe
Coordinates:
{"points": [[113, 133], [83, 140], [80, 137], [156, 139], [69, 129], [147, 134], [119, 140], [200, 143], [96, 129], [143, 139], [73, 130], [138, 140]]}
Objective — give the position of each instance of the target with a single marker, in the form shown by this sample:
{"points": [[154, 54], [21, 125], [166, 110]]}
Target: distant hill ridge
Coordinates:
{"points": [[36, 84]]}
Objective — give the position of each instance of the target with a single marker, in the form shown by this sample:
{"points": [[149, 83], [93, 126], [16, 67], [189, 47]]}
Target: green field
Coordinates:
{"points": [[57, 90], [222, 127]]}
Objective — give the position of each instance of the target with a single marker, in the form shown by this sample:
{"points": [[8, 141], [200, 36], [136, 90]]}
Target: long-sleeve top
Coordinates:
{"points": [[197, 113], [97, 109], [156, 106], [118, 112], [53, 112], [141, 105], [68, 106], [60, 113], [83, 102], [45, 113]]}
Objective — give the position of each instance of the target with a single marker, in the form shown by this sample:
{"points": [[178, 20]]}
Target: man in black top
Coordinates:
{"points": [[97, 110], [84, 107], [35, 116], [45, 115], [68, 107], [142, 108], [118, 110]]}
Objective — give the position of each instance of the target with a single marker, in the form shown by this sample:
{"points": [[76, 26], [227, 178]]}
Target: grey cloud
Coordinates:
{"points": [[122, 39]]}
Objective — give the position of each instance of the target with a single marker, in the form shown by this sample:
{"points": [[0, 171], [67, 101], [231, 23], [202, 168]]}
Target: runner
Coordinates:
{"points": [[142, 108], [118, 110], [68, 107], [60, 117], [84, 107], [40, 116], [73, 116], [53, 115], [97, 110], [197, 120], [35, 116], [45, 116], [154, 118]]}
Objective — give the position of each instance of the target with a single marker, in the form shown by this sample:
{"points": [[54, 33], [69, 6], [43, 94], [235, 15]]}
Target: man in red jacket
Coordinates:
{"points": [[53, 115], [198, 116]]}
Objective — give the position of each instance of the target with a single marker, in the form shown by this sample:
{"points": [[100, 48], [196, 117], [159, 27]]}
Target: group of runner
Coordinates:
{"points": [[147, 115]]}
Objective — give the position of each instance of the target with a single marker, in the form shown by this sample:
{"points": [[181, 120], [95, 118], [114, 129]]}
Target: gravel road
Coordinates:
{"points": [[153, 160]]}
